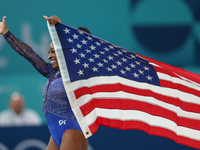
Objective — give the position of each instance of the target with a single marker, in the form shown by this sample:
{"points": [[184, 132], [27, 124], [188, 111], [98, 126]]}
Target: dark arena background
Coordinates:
{"points": [[165, 30]]}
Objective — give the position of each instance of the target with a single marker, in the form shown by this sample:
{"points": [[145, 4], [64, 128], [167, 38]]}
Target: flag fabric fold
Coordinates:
{"points": [[111, 86]]}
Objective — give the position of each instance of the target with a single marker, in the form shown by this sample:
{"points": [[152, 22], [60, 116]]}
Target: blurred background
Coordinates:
{"points": [[165, 30]]}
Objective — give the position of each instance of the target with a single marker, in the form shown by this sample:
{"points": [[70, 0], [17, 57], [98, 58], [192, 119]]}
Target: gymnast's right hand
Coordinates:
{"points": [[3, 26]]}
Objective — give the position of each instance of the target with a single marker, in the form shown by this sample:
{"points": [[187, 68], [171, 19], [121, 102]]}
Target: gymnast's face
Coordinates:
{"points": [[52, 56]]}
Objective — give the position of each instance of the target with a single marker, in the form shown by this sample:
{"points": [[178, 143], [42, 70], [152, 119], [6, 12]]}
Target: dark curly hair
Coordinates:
{"points": [[84, 29]]}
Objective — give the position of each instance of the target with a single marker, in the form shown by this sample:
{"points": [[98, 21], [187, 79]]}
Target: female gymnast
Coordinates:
{"points": [[66, 133]]}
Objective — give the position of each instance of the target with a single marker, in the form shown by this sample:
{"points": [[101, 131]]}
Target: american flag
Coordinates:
{"points": [[111, 86]]}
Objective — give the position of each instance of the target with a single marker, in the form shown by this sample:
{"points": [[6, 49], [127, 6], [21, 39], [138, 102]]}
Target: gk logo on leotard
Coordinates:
{"points": [[62, 122]]}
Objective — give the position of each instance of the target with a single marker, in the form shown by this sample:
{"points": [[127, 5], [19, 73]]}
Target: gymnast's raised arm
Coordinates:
{"points": [[24, 50]]}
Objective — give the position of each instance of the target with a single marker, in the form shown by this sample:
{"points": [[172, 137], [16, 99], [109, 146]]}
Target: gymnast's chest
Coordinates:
{"points": [[54, 90]]}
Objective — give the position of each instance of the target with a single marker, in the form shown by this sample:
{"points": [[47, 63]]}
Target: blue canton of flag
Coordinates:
{"points": [[95, 57]]}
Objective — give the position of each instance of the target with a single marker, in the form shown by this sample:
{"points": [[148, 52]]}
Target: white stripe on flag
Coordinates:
{"points": [[186, 97], [155, 121]]}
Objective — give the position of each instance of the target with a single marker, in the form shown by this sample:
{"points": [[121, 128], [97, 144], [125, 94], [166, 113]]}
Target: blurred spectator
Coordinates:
{"points": [[17, 114]]}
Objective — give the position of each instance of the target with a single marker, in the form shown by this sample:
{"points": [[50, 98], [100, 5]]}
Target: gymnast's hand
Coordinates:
{"points": [[52, 20], [3, 26]]}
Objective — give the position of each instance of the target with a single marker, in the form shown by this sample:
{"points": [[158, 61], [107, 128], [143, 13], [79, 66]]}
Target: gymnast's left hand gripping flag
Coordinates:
{"points": [[111, 86]]}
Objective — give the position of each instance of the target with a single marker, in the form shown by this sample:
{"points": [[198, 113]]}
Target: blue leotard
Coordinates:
{"points": [[56, 107]]}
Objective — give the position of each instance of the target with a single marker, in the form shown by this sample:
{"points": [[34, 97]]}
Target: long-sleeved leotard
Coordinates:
{"points": [[56, 107], [27, 52]]}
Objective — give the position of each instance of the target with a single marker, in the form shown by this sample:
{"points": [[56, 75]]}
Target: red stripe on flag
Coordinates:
{"points": [[167, 72], [173, 85], [126, 104], [180, 87], [188, 142], [187, 74], [119, 87], [137, 125]]}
